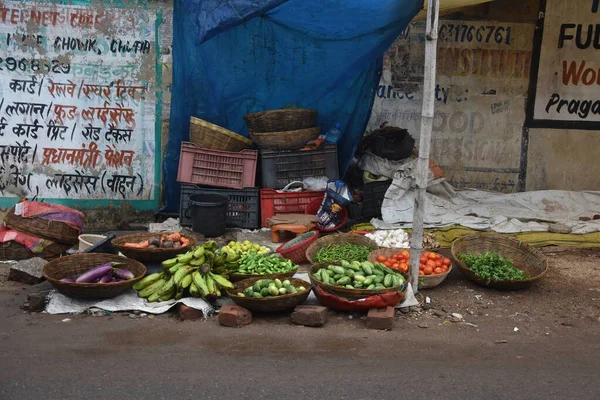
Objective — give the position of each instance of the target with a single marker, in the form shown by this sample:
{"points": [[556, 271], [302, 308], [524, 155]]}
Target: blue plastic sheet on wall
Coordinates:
{"points": [[235, 57]]}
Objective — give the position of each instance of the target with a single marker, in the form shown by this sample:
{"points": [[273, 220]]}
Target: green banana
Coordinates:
{"points": [[147, 281], [200, 283], [220, 259], [167, 287], [194, 291], [210, 245], [169, 263], [178, 295], [182, 273], [155, 287], [217, 291], [198, 261], [210, 284], [221, 281], [199, 252], [186, 282], [168, 295], [185, 258], [153, 297]]}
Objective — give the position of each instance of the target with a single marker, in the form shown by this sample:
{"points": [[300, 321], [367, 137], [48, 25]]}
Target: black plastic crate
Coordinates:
{"points": [[243, 210], [278, 168], [372, 198]]}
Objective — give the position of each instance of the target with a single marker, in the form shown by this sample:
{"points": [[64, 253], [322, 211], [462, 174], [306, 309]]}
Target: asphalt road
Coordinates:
{"points": [[116, 357]]}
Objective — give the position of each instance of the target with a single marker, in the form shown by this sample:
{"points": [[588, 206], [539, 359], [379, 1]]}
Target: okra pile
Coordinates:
{"points": [[356, 275]]}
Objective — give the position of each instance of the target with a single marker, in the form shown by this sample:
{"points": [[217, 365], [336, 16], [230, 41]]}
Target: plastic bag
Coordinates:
{"points": [[337, 196], [317, 183]]}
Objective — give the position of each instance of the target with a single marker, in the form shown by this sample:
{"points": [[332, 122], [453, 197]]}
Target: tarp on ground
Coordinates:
{"points": [[235, 57]]}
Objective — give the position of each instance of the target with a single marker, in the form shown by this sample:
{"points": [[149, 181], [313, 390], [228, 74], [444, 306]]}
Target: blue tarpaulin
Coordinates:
{"points": [[235, 57]]}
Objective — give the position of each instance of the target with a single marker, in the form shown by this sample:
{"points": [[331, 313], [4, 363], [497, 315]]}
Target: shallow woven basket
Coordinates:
{"points": [[282, 276], [16, 251], [284, 140], [349, 293], [215, 137], [269, 304], [312, 250], [281, 120], [77, 264], [425, 282], [52, 230], [295, 249], [150, 255], [522, 255]]}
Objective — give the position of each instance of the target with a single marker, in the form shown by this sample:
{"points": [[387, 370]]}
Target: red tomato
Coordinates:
{"points": [[438, 263], [395, 265], [438, 257], [424, 259], [387, 263], [404, 268], [405, 253], [422, 267], [432, 256], [438, 270], [446, 261], [444, 268], [431, 264], [381, 259], [421, 273], [428, 270]]}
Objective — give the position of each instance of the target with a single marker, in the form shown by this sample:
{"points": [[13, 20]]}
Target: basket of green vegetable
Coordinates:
{"points": [[498, 261], [355, 280], [337, 248], [263, 266], [269, 295]]}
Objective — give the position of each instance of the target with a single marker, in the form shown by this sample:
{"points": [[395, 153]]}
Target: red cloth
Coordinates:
{"points": [[332, 301], [50, 212], [34, 244]]}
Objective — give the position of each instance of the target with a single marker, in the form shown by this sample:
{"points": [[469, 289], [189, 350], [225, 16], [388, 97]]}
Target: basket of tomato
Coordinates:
{"points": [[433, 267]]}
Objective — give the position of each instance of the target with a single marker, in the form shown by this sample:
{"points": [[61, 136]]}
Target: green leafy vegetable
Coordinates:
{"points": [[492, 267], [335, 253]]}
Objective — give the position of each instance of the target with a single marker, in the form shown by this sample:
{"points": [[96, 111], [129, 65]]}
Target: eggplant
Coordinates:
{"points": [[106, 278], [124, 274], [68, 280], [95, 273]]}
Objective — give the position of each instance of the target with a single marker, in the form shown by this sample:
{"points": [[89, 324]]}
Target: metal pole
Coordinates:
{"points": [[427, 114]]}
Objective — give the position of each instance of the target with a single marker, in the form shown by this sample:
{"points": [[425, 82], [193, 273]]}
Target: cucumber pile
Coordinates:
{"points": [[356, 275], [270, 288]]}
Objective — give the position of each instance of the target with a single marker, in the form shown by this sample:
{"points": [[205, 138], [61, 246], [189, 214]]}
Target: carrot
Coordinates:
{"points": [[184, 241], [174, 237], [141, 245]]}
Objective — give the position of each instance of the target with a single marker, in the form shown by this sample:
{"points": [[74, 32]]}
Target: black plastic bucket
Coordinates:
{"points": [[209, 213]]}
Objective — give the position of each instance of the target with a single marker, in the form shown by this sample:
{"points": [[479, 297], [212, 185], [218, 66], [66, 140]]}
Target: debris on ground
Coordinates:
{"points": [[28, 271]]}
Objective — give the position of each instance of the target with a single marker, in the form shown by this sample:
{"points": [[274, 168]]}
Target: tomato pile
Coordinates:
{"points": [[430, 263]]}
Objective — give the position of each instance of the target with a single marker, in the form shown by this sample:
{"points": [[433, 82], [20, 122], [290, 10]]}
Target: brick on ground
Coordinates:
{"points": [[28, 271], [315, 316], [186, 313], [381, 318], [234, 316], [37, 301]]}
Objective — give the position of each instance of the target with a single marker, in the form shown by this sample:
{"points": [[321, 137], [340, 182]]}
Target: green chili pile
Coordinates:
{"points": [[492, 267], [335, 253]]}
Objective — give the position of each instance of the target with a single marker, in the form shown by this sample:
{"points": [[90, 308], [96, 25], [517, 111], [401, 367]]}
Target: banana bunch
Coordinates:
{"points": [[197, 273]]}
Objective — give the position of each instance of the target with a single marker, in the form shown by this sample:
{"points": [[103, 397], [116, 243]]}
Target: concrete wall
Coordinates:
{"points": [[479, 137]]}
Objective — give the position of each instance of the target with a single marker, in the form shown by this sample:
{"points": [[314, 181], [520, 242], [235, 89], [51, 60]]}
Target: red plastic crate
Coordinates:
{"points": [[200, 166], [272, 203]]}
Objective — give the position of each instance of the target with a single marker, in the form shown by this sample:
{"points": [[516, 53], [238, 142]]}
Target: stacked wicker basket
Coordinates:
{"points": [[287, 129]]}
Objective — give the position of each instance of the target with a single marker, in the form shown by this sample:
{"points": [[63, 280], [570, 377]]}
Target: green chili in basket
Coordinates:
{"points": [[335, 253]]}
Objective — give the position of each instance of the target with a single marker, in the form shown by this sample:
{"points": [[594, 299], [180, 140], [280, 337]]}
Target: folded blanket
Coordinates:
{"points": [[297, 219]]}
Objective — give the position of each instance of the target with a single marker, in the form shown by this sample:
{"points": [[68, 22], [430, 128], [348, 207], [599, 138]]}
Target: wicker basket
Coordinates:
{"points": [[75, 265], [211, 136], [16, 251], [242, 277], [349, 293], [425, 282], [284, 140], [295, 249], [149, 255], [522, 255], [281, 120], [312, 250], [52, 230], [269, 304]]}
